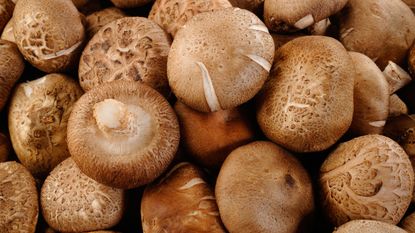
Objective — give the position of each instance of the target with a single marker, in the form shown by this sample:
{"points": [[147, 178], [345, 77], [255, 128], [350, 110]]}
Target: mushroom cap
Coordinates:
{"points": [[371, 97], [130, 3], [49, 33], [254, 6], [220, 60], [289, 15], [99, 19], [11, 68], [18, 199], [131, 48], [408, 223], [172, 20], [383, 30], [307, 103], [129, 158], [6, 12], [7, 33], [73, 202], [368, 226], [369, 177], [5, 148], [263, 188], [181, 201]]}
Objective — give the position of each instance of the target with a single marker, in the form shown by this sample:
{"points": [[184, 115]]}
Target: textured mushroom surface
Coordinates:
{"points": [[130, 3], [37, 120], [369, 177], [73, 202], [49, 33], [263, 188], [6, 12], [5, 148], [131, 48], [99, 19], [18, 199], [368, 226], [307, 103], [8, 33], [220, 59], [171, 15], [123, 134], [181, 201]]}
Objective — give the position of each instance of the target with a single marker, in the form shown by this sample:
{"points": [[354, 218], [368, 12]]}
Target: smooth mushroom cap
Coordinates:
{"points": [[307, 103], [38, 116], [254, 6], [7, 33], [181, 201], [263, 188], [383, 30], [368, 226], [288, 15], [123, 134], [5, 148], [220, 60], [172, 20], [99, 19], [408, 223], [73, 202], [131, 48], [130, 3], [369, 177], [11, 68], [18, 199], [6, 12]]}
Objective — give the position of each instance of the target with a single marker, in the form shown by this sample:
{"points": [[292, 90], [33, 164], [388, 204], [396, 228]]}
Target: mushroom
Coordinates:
{"points": [[11, 68], [408, 223], [255, 6], [99, 19], [383, 30], [18, 199], [181, 201], [7, 33], [307, 103], [397, 106], [210, 137], [6, 12], [49, 33], [368, 226], [5, 148], [123, 134], [38, 116], [131, 48], [130, 3], [369, 177], [73, 202], [287, 16], [396, 77], [220, 60], [263, 188], [172, 20], [371, 97]]}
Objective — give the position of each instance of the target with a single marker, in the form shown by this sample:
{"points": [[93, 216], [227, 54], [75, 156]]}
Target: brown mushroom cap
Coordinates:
{"points": [[6, 12], [7, 33], [73, 202], [307, 104], [180, 202], [172, 20], [130, 3], [18, 199], [5, 148], [131, 48], [38, 116], [49, 33], [369, 177], [263, 188], [11, 68], [368, 226], [99, 19], [408, 223], [254, 6], [383, 30], [123, 134], [220, 60], [284, 16]]}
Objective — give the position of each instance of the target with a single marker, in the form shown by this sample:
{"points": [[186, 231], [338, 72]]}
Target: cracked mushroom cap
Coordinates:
{"points": [[369, 177], [49, 33], [73, 202], [99, 19], [288, 15], [181, 201], [263, 188], [307, 103], [11, 68], [368, 226], [130, 3], [171, 15], [131, 48], [383, 30], [18, 199], [6, 12], [371, 97], [220, 60], [123, 134], [5, 148], [8, 33]]}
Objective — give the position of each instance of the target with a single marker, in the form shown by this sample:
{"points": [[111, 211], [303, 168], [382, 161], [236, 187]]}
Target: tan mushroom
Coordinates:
{"points": [[99, 19], [130, 3], [368, 226], [8, 33], [6, 12], [397, 106], [396, 77], [5, 147]]}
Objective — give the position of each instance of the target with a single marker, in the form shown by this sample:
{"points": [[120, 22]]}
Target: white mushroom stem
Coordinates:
{"points": [[320, 27], [396, 106], [396, 77], [304, 22]]}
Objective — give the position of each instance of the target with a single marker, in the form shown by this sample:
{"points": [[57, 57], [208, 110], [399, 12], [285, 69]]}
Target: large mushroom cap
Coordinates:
{"points": [[368, 226], [123, 134], [220, 59]]}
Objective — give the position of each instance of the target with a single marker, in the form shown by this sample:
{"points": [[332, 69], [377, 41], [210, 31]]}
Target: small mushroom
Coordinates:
{"points": [[73, 202], [408, 223], [181, 201], [6, 12], [18, 199], [396, 106], [99, 19], [369, 177], [123, 134], [368, 226], [255, 6], [5, 148], [7, 33], [130, 3]]}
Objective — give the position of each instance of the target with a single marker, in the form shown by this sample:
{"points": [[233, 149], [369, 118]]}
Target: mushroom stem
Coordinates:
{"points": [[396, 77], [320, 27], [112, 116], [304, 22]]}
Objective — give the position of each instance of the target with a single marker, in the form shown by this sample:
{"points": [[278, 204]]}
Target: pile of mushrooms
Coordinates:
{"points": [[207, 116]]}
